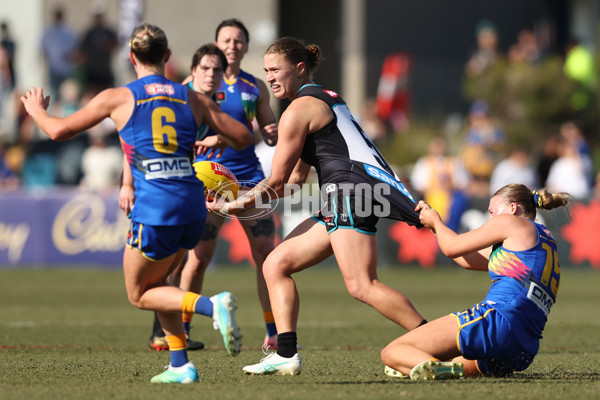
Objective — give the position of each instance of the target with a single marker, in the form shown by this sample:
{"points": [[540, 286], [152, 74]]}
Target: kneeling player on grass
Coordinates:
{"points": [[500, 335]]}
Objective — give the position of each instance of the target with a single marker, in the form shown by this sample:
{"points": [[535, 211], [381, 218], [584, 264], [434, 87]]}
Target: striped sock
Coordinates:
{"points": [[195, 303], [178, 349], [270, 323]]}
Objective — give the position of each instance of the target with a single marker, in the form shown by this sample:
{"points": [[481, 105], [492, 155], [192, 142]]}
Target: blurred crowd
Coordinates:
{"points": [[475, 157], [484, 159], [79, 65]]}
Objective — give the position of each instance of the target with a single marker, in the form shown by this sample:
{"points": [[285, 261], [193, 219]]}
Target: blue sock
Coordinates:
{"points": [[178, 350], [271, 329], [179, 358], [204, 306]]}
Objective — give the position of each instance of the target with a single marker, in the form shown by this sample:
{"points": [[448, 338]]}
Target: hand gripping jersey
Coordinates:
{"points": [[525, 285], [239, 99], [343, 155], [158, 141]]}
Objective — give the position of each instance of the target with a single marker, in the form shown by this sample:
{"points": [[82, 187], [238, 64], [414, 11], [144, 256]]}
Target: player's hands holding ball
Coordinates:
{"points": [[220, 185], [215, 203]]}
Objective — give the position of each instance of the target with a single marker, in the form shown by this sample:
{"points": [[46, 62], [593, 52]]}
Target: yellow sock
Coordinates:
{"points": [[188, 304], [268, 316], [187, 317], [177, 342]]}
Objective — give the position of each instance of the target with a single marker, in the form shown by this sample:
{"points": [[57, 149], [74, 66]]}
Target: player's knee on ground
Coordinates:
{"points": [[385, 355]]}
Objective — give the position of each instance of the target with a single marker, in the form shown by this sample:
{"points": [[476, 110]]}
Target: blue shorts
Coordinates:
{"points": [[340, 211], [485, 336], [159, 242]]}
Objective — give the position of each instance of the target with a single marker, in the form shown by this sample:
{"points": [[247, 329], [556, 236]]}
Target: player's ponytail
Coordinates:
{"points": [[548, 200]]}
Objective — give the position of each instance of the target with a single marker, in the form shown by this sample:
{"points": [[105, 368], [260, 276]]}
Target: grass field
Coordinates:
{"points": [[71, 334]]}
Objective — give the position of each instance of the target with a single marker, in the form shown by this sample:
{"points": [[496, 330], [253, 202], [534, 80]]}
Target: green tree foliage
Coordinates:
{"points": [[532, 99]]}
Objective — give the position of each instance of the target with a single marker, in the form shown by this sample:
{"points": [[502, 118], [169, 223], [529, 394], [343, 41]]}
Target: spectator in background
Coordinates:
{"points": [[7, 76], [516, 168], [101, 163], [9, 46], [59, 46], [573, 134], [69, 95], [547, 157], [568, 172], [438, 177], [5, 90], [486, 53], [526, 49], [97, 47], [8, 178], [483, 147], [68, 155], [482, 130]]}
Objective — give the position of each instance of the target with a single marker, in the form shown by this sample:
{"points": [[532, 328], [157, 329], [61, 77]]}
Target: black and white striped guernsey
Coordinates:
{"points": [[342, 153]]}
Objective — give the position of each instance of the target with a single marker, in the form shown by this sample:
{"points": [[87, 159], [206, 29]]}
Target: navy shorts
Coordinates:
{"points": [[484, 335], [159, 242]]}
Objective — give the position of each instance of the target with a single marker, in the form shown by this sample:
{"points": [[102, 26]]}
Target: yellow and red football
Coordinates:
{"points": [[218, 179]]}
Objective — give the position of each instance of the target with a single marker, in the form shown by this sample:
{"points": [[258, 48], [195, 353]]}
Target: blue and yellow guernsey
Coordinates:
{"points": [[525, 284], [239, 99], [158, 141]]}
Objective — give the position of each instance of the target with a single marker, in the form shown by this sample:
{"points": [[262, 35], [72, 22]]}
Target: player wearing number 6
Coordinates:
{"points": [[157, 120], [500, 335]]}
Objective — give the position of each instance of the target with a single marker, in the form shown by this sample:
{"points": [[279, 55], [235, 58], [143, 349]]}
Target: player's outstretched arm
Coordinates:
{"points": [[107, 104]]}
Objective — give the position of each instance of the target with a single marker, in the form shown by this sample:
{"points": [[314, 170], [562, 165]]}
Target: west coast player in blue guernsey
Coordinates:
{"points": [[501, 334], [208, 66], [157, 120]]}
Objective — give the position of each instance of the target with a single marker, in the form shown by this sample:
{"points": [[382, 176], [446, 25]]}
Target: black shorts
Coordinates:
{"points": [[359, 205], [346, 212]]}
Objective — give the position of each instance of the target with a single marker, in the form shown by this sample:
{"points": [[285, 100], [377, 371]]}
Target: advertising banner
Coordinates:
{"points": [[71, 227]]}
